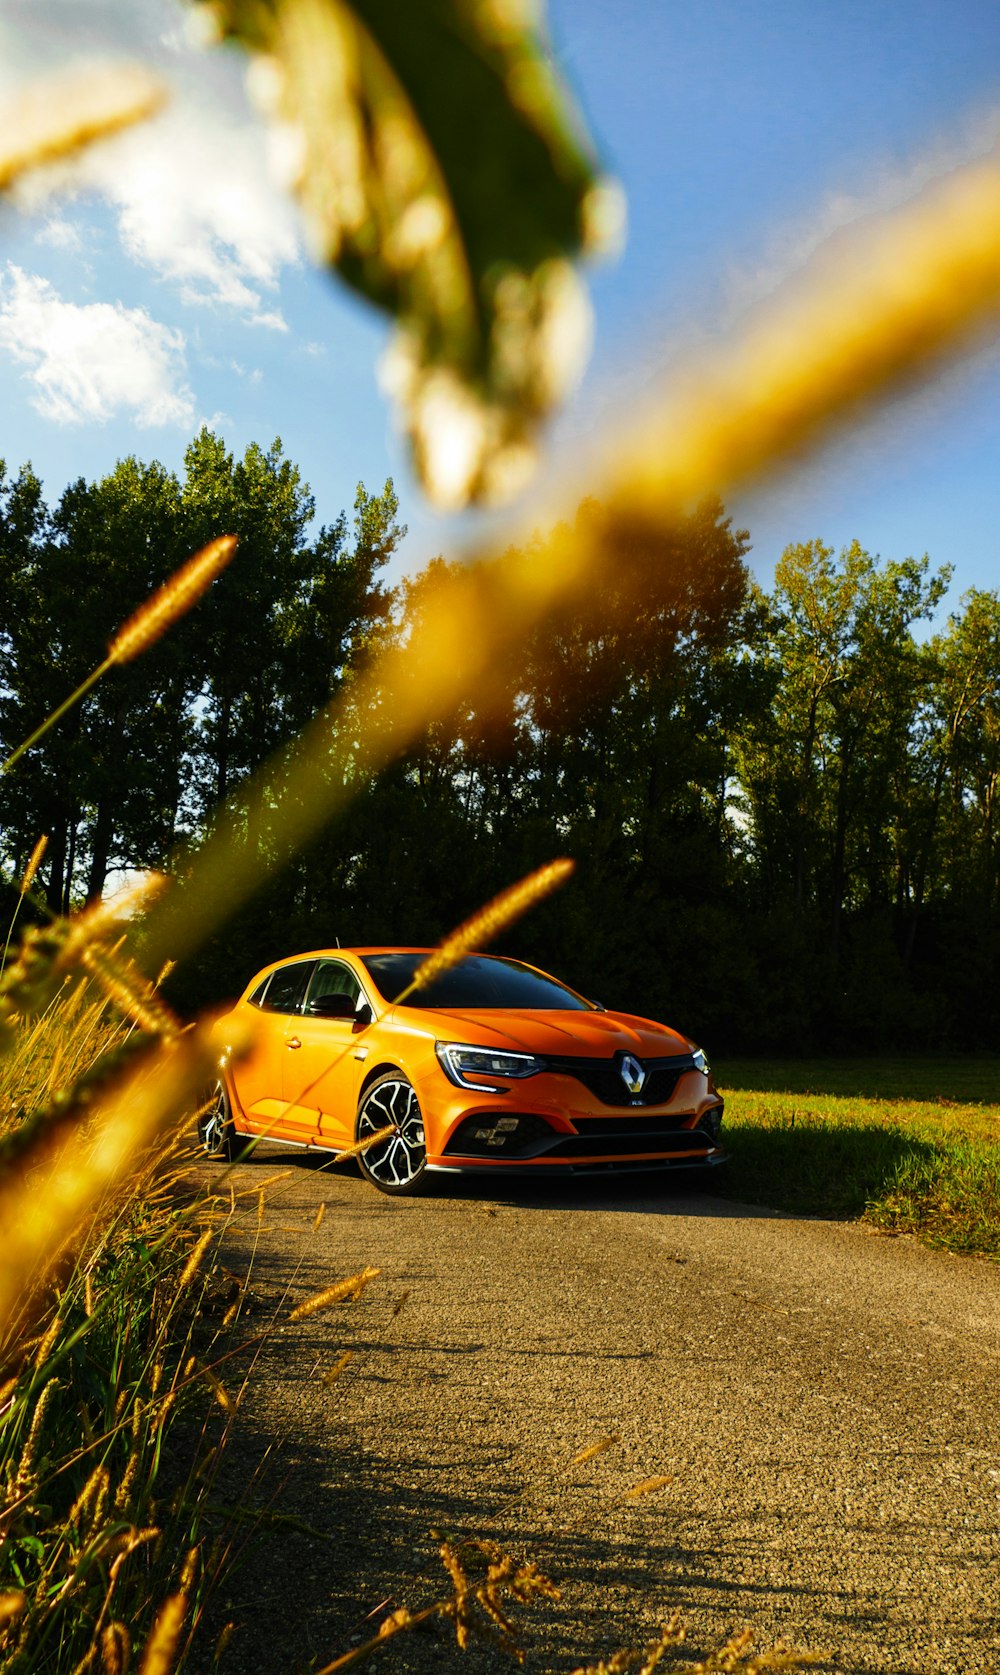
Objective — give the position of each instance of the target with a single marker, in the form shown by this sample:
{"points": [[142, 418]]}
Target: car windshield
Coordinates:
{"points": [[477, 983]]}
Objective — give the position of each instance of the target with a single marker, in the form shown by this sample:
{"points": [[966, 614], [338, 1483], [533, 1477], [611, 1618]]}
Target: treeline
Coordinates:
{"points": [[782, 804]]}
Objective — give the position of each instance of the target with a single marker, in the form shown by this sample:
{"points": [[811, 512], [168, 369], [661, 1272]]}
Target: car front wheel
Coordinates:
{"points": [[216, 1136], [397, 1163]]}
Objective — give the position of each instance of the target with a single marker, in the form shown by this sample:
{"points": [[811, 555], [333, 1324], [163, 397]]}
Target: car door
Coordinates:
{"points": [[324, 1057], [259, 1076]]}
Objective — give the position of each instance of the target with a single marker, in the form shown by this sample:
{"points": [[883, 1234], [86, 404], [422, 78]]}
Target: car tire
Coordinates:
{"points": [[398, 1164], [216, 1135]]}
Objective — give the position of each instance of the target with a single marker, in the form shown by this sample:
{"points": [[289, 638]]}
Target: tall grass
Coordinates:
{"points": [[101, 1358]]}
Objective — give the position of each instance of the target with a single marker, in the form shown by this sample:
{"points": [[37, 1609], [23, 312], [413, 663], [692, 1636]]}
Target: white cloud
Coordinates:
{"points": [[59, 234], [195, 205], [90, 361], [191, 190]]}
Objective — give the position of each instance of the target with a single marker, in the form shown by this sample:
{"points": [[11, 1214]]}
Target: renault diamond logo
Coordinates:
{"points": [[632, 1073]]}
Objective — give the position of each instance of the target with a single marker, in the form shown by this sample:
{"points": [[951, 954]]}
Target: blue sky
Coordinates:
{"points": [[168, 284]]}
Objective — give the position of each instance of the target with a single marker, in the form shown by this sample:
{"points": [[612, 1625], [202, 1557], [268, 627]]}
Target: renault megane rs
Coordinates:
{"points": [[491, 1066]]}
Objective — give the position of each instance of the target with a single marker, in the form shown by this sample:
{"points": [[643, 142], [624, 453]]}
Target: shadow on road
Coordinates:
{"points": [[663, 1192], [351, 1538], [831, 1172]]}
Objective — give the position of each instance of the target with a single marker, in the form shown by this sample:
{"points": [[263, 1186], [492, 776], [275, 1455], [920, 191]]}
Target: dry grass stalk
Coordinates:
{"points": [[475, 1608], [171, 601], [219, 1391], [593, 1449], [61, 1174], [648, 1486], [342, 1361], [12, 1604], [107, 920], [490, 921], [318, 1217], [223, 1641], [365, 1145], [143, 628], [131, 993], [56, 116], [34, 862], [194, 1261], [335, 1293], [116, 1649], [272, 1180], [671, 1634], [159, 1654]]}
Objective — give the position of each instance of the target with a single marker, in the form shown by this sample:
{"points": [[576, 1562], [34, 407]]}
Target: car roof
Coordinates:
{"points": [[388, 948]]}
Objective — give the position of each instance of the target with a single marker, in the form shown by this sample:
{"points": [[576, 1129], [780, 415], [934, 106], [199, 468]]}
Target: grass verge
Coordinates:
{"points": [[107, 1546], [911, 1146]]}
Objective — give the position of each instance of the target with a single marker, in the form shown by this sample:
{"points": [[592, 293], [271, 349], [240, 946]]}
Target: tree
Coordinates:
{"points": [[141, 762]]}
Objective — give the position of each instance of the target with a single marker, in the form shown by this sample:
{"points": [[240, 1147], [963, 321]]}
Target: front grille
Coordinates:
{"points": [[627, 1143], [603, 1078]]}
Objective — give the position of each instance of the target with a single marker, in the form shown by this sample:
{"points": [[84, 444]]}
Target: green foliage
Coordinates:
{"points": [[444, 178], [138, 766]]}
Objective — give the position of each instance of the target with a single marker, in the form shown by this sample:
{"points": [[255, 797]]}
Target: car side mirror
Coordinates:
{"points": [[331, 1006], [363, 1016]]}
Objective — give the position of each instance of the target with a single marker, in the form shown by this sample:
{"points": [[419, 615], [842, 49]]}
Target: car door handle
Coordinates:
{"points": [[294, 1042]]}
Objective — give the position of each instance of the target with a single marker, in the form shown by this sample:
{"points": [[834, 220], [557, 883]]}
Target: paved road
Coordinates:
{"points": [[824, 1403]]}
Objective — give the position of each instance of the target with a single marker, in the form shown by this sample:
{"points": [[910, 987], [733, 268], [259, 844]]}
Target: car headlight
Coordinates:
{"points": [[459, 1063], [701, 1062]]}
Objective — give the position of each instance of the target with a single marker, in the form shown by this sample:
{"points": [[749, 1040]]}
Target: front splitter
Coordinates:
{"points": [[613, 1166]]}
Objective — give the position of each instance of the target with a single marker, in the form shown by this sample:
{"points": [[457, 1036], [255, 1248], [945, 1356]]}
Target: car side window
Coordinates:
{"points": [[287, 987], [332, 977], [257, 998]]}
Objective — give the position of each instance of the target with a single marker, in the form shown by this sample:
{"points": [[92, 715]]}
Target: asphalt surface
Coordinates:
{"points": [[822, 1401]]}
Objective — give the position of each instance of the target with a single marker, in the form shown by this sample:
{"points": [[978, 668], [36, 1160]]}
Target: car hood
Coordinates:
{"points": [[553, 1034]]}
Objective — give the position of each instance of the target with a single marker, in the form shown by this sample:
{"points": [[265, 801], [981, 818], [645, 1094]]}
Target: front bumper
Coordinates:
{"points": [[524, 1140]]}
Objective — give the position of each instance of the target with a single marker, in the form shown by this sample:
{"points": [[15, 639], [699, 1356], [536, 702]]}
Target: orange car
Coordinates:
{"points": [[491, 1066]]}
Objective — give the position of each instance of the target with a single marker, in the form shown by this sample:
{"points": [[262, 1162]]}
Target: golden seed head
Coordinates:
{"points": [[335, 1293], [194, 1261], [116, 1649], [595, 1448], [648, 1486], [171, 601], [488, 923], [33, 865], [158, 1654], [12, 1604], [56, 115], [335, 1371], [130, 992]]}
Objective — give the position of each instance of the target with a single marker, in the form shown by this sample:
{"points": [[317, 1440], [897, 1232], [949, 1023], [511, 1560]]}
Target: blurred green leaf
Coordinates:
{"points": [[442, 172]]}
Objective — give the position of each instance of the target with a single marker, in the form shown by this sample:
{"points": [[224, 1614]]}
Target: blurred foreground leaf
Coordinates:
{"points": [[435, 157]]}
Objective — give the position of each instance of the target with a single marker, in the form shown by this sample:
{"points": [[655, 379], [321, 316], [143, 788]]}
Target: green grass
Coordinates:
{"points": [[910, 1145]]}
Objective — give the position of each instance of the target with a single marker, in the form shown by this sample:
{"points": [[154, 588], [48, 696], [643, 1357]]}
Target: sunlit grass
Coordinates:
{"points": [[907, 1156]]}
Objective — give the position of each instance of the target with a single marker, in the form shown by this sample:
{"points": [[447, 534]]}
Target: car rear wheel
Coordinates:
{"points": [[216, 1135], [398, 1163]]}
